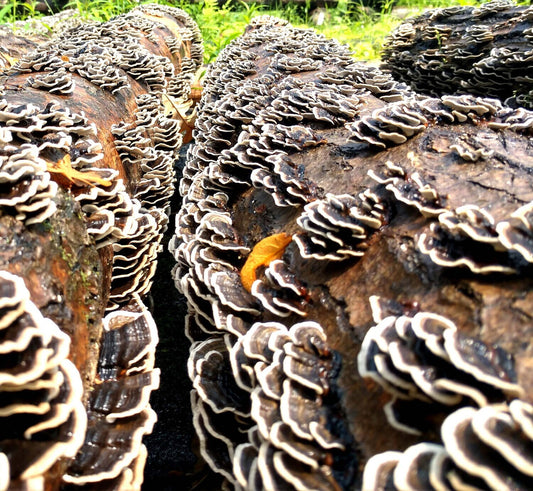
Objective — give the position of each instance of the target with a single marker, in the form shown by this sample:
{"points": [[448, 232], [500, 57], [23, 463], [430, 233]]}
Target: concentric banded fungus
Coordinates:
{"points": [[220, 407], [208, 364], [43, 418], [389, 126], [292, 371], [470, 237], [395, 123], [411, 189], [60, 82], [425, 357], [27, 190], [452, 249], [55, 161], [483, 448], [150, 145], [118, 409], [110, 212], [278, 153], [516, 234], [465, 50], [421, 466], [281, 292], [338, 226], [134, 259]]}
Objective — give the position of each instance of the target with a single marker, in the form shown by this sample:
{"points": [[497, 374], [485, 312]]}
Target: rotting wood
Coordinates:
{"points": [[88, 137], [397, 205], [483, 50]]}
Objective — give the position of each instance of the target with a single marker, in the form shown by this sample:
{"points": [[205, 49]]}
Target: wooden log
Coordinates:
{"points": [[343, 246], [90, 124], [481, 50]]}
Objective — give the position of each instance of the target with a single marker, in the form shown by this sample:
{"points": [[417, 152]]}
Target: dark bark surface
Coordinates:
{"points": [[96, 112]]}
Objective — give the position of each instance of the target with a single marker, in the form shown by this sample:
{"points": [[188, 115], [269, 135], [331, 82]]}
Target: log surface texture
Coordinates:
{"points": [[482, 50], [345, 245], [90, 126]]}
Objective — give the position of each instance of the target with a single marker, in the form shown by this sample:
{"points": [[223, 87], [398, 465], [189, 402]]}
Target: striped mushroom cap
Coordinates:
{"points": [[290, 376], [423, 357], [118, 409], [280, 292], [483, 448], [337, 227], [42, 414]]}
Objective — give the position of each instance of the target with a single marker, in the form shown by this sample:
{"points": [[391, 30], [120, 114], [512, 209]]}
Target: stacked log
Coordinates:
{"points": [[90, 125], [356, 260], [483, 50]]}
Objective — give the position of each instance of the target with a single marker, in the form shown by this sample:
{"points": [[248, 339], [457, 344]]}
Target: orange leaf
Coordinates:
{"points": [[65, 169], [10, 61], [264, 252]]}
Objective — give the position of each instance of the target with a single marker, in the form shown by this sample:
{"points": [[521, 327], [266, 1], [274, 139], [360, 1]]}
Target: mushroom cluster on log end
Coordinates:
{"points": [[393, 229], [90, 126], [484, 50]]}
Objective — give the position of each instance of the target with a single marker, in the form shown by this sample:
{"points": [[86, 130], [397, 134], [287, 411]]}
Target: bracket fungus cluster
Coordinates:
{"points": [[247, 131], [484, 50], [42, 414], [338, 226], [316, 186], [424, 358], [118, 409], [90, 126], [301, 442], [355, 256], [483, 448]]}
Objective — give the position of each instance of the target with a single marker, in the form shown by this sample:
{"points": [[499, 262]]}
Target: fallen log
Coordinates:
{"points": [[357, 265], [483, 50], [90, 124]]}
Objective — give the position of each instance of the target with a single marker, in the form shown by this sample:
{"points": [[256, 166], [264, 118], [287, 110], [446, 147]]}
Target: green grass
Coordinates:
{"points": [[15, 10], [350, 23]]}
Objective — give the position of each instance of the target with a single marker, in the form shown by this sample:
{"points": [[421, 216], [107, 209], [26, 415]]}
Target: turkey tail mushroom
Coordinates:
{"points": [[427, 359], [43, 417], [416, 203], [481, 50], [483, 448], [90, 126]]}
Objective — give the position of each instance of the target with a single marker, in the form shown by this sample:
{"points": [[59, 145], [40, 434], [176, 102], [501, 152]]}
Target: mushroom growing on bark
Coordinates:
{"points": [[89, 130], [482, 50], [426, 358], [483, 448], [43, 417], [385, 194]]}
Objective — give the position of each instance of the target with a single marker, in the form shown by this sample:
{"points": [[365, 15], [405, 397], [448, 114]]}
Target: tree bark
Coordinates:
{"points": [[99, 109]]}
